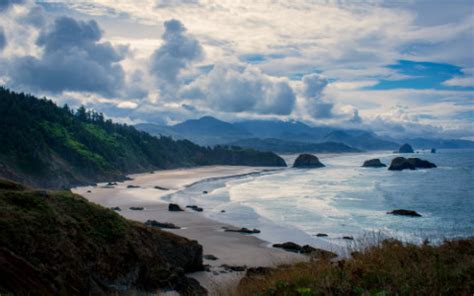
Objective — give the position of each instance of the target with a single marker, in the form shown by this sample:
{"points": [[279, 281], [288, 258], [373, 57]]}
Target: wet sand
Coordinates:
{"points": [[234, 249]]}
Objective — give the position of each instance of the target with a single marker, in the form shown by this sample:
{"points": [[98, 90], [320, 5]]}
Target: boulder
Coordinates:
{"points": [[161, 188], [373, 163], [433, 150], [210, 257], [154, 223], [405, 148], [241, 230], [348, 237], [195, 208], [133, 186], [402, 163], [402, 212], [116, 209], [307, 161], [174, 208], [321, 235], [234, 267], [137, 208], [289, 246], [306, 249]]}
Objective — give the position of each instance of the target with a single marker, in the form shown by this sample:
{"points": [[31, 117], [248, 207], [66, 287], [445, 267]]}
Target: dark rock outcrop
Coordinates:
{"points": [[116, 209], [154, 223], [373, 163], [210, 257], [307, 161], [306, 249], [237, 268], [161, 188], [64, 245], [402, 212], [348, 237], [133, 186], [137, 208], [241, 230], [433, 150], [405, 148], [321, 235], [195, 208], [174, 208], [402, 163]]}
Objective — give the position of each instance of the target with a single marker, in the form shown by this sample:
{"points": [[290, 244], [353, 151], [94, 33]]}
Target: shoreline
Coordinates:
{"points": [[230, 248]]}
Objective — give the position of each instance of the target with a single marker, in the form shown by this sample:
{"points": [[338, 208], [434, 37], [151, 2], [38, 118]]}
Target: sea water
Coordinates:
{"points": [[345, 199]]}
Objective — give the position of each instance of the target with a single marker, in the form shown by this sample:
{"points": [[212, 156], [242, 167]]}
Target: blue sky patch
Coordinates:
{"points": [[423, 75]]}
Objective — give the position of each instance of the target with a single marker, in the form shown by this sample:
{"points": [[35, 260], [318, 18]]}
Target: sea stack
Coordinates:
{"points": [[307, 161], [405, 148], [373, 163], [402, 163]]}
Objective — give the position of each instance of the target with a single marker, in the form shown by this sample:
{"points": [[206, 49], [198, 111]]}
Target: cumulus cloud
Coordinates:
{"points": [[3, 39], [237, 88], [176, 53], [168, 3], [315, 104], [73, 59]]}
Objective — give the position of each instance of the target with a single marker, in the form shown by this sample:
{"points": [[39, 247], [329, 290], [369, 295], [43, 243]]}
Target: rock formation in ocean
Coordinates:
{"points": [[402, 212], [307, 161], [373, 163], [405, 148], [402, 163], [174, 208]]}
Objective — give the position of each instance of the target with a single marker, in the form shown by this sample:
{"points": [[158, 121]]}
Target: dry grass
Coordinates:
{"points": [[388, 268]]}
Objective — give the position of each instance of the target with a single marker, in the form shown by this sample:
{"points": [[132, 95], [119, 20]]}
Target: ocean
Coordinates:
{"points": [[345, 199]]}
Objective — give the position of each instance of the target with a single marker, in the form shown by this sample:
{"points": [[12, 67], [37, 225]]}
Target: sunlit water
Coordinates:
{"points": [[344, 199]]}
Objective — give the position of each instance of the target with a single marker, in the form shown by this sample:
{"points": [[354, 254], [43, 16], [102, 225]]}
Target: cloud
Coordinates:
{"points": [[127, 105], [73, 59], [239, 88], [313, 87], [6, 4], [3, 39], [176, 53], [171, 3]]}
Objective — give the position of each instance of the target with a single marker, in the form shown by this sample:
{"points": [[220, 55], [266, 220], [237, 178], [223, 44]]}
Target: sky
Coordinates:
{"points": [[401, 68]]}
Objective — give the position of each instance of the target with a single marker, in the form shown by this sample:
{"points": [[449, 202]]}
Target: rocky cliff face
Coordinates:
{"points": [[307, 161], [56, 242]]}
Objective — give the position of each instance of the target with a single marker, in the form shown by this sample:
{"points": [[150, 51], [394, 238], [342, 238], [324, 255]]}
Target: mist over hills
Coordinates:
{"points": [[289, 136]]}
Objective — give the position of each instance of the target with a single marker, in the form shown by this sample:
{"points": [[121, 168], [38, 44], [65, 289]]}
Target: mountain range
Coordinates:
{"points": [[288, 136]]}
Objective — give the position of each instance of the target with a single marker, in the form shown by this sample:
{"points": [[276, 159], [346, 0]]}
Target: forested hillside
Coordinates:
{"points": [[44, 145]]}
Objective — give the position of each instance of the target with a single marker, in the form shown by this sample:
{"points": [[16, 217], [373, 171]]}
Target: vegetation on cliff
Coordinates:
{"points": [[388, 268], [44, 145], [56, 242]]}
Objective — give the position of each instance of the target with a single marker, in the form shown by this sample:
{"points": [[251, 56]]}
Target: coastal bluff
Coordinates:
{"points": [[56, 242]]}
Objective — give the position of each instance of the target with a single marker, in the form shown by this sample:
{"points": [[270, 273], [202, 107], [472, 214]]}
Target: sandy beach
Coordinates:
{"points": [[233, 249]]}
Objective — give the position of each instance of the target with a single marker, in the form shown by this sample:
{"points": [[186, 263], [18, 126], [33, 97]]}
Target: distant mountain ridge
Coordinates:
{"points": [[256, 133], [282, 146]]}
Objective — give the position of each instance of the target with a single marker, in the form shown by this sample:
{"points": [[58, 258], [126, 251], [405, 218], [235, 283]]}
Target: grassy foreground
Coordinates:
{"points": [[58, 243], [389, 268]]}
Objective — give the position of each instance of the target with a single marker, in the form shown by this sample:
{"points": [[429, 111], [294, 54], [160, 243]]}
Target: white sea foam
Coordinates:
{"points": [[344, 199]]}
